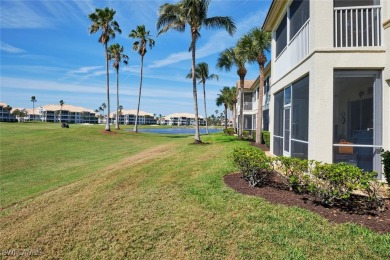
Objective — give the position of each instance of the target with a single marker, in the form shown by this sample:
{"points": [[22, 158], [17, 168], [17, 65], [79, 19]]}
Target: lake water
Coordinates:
{"points": [[177, 130]]}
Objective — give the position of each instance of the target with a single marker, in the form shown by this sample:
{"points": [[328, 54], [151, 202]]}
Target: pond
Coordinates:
{"points": [[177, 130]]}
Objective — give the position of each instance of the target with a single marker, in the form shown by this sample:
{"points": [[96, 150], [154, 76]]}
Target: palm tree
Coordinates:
{"points": [[8, 108], [61, 104], [33, 100], [140, 46], [202, 73], [120, 109], [194, 14], [224, 98], [115, 52], [255, 44], [232, 105], [102, 108], [235, 57], [103, 19]]}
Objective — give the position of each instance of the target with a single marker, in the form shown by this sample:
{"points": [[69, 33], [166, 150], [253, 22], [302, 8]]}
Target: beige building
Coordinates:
{"points": [[330, 80], [127, 117], [6, 113], [67, 114], [181, 119]]}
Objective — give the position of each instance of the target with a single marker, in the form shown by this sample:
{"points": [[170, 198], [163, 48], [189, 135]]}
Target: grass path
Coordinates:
{"points": [[168, 201]]}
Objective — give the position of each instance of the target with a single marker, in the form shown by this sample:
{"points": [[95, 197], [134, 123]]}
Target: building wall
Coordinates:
{"points": [[320, 64]]}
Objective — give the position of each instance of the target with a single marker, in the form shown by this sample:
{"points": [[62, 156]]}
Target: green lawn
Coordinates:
{"points": [[78, 193]]}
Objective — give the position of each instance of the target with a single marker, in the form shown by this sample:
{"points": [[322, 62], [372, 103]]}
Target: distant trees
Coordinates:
{"points": [[115, 53], [191, 13], [255, 44], [144, 39], [33, 100], [103, 20], [224, 98], [61, 104], [202, 73], [238, 58]]}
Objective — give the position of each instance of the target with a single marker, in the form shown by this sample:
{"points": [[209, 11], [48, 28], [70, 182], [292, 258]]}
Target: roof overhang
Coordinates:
{"points": [[274, 13]]}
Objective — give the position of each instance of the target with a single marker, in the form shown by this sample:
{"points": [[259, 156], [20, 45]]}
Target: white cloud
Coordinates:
{"points": [[19, 15], [85, 70], [9, 48]]}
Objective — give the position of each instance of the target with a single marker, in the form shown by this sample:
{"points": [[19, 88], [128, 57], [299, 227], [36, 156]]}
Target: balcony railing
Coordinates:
{"points": [[296, 50], [357, 26]]}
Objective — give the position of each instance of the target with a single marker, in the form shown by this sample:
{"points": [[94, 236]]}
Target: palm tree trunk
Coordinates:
{"points": [[117, 98], [197, 135], [108, 91], [259, 120], [226, 116], [205, 111], [241, 123], [139, 96], [33, 108], [235, 117]]}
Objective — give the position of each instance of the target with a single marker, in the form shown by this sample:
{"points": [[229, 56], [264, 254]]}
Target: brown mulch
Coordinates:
{"points": [[108, 132], [261, 146], [378, 221]]}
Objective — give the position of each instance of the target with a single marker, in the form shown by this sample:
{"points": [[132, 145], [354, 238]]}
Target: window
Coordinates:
{"points": [[278, 124], [300, 118], [287, 96], [299, 14], [281, 36], [348, 3]]}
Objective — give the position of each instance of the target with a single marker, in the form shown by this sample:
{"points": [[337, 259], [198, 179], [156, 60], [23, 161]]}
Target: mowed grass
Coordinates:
{"points": [[150, 196]]}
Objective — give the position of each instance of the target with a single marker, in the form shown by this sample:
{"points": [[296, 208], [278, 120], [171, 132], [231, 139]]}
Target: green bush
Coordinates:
{"points": [[296, 172], [229, 131], [386, 164], [254, 165], [266, 137], [246, 134], [334, 183]]}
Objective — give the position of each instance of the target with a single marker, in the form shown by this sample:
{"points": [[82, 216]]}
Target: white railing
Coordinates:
{"points": [[357, 26], [296, 50]]}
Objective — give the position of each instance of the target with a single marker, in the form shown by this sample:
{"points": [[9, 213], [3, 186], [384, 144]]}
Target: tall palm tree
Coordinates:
{"points": [[33, 100], [115, 52], [192, 13], [61, 104], [235, 57], [224, 98], [202, 73], [103, 20], [144, 39], [9, 108], [232, 105], [255, 44]]}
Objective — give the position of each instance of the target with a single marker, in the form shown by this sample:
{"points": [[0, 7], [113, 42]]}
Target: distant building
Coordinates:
{"points": [[68, 114], [251, 98], [127, 117], [5, 113], [181, 119]]}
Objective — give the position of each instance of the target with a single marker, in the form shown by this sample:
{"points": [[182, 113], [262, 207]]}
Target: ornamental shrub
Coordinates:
{"points": [[266, 137], [229, 131], [254, 165], [386, 164], [295, 170]]}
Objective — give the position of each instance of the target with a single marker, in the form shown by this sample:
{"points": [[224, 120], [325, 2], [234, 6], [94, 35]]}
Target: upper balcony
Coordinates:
{"points": [[357, 26]]}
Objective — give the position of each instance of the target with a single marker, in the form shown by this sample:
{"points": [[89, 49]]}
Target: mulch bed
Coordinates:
{"points": [[277, 194]]}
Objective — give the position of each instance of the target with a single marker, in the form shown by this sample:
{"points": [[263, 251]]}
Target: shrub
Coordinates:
{"points": [[296, 172], [266, 137], [246, 134], [229, 131], [386, 164], [254, 165], [334, 183]]}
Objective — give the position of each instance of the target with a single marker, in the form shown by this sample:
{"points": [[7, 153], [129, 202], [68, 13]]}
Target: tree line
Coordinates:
{"points": [[190, 14]]}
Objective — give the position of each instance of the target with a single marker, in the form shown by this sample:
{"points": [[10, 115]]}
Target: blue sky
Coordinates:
{"points": [[47, 52]]}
